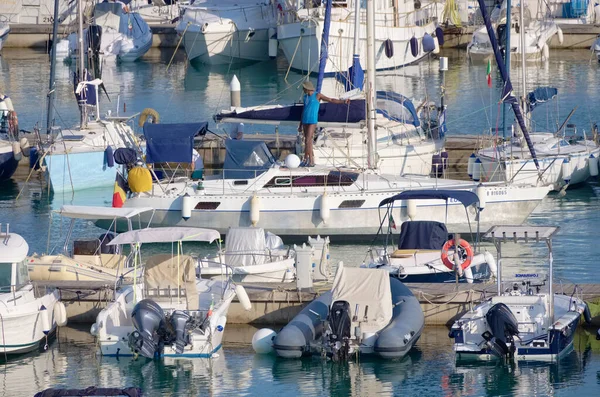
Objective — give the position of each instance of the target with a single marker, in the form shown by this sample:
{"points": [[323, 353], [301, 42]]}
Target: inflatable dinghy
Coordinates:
{"points": [[365, 312]]}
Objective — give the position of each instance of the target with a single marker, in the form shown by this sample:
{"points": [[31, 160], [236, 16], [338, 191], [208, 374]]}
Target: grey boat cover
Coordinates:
{"points": [[245, 246], [165, 274], [365, 287]]}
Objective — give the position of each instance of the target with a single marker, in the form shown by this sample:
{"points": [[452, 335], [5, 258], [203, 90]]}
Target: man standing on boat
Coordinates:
{"points": [[310, 118]]}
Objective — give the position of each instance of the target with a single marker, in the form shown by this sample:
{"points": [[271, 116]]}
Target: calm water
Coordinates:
{"points": [[187, 93]]}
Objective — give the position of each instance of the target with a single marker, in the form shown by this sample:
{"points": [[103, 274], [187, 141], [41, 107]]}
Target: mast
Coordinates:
{"points": [[506, 60], [324, 45], [523, 69], [82, 103], [371, 90], [50, 112], [356, 27], [507, 92]]}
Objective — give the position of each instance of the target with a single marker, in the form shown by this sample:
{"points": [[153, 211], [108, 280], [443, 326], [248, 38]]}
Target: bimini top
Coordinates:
{"points": [[464, 196], [166, 235], [524, 233], [171, 143], [95, 213]]}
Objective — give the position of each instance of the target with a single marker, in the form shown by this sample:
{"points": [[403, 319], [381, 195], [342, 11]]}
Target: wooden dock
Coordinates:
{"points": [[277, 304]]}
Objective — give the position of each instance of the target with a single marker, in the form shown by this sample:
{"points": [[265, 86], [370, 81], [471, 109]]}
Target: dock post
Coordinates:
{"points": [[304, 264]]}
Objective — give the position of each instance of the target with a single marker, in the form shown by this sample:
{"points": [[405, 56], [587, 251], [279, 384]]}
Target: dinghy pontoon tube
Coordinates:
{"points": [[365, 311]]}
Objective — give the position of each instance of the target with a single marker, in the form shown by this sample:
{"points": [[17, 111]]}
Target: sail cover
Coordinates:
{"points": [[171, 143], [540, 95], [397, 107]]}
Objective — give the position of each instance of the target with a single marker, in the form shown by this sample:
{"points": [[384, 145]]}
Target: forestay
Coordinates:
{"points": [[365, 287]]}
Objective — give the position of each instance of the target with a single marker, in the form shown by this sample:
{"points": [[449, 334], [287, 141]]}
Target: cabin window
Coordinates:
{"points": [[207, 205], [351, 204], [5, 277], [283, 181], [562, 143], [22, 273], [238, 183]]}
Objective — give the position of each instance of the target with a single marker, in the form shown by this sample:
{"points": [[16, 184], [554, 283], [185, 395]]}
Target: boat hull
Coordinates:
{"points": [[78, 171], [8, 165]]}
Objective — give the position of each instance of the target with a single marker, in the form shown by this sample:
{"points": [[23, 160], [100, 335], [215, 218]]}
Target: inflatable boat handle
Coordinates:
{"points": [[399, 302], [315, 313], [365, 318]]}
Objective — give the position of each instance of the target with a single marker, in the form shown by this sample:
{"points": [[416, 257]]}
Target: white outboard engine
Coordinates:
{"points": [[339, 326], [149, 322], [179, 322], [503, 327]]}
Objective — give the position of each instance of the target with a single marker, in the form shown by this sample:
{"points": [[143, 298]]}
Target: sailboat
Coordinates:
{"points": [[553, 158], [536, 33], [11, 150], [81, 157], [4, 31], [290, 200]]}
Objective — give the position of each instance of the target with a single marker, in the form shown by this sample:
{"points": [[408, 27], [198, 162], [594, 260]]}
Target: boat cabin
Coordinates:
{"points": [[13, 265]]}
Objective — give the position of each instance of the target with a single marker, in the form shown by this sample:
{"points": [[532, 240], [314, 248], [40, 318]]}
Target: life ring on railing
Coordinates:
{"points": [[465, 246], [148, 112]]}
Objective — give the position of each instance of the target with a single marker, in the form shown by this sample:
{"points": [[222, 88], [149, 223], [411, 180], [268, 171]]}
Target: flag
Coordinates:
{"points": [[392, 222], [120, 192], [489, 73]]}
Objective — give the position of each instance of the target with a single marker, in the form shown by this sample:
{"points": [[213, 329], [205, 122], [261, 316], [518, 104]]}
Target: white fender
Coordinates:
{"points": [[16, 148], [491, 262], [94, 329], [545, 52], [436, 48], [45, 319], [60, 314], [254, 210], [482, 194], [561, 37], [476, 170], [470, 164], [262, 340], [324, 208], [186, 207], [593, 165], [468, 275], [273, 44], [25, 147], [242, 296], [411, 209], [566, 170]]}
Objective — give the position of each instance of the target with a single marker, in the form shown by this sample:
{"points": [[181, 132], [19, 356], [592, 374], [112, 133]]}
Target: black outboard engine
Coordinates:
{"points": [[150, 329], [106, 238], [503, 328], [179, 321], [340, 323]]}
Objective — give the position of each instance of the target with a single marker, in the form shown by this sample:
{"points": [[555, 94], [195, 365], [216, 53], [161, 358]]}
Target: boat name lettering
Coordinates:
{"points": [[526, 275], [497, 192]]}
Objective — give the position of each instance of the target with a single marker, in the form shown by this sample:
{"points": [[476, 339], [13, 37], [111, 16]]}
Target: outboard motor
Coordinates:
{"points": [[150, 328], [340, 323], [179, 321], [106, 238], [503, 327]]}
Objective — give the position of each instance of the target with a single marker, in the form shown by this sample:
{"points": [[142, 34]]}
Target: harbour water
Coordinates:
{"points": [[195, 93]]}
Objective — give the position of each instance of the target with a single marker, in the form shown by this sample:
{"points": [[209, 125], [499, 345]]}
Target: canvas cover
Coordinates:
{"points": [[365, 287], [245, 246], [171, 143], [246, 159], [161, 273], [425, 235], [108, 15]]}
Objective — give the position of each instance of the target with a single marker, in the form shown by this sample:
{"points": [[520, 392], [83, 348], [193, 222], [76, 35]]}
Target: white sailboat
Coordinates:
{"points": [[553, 158], [4, 31], [403, 35], [225, 32]]}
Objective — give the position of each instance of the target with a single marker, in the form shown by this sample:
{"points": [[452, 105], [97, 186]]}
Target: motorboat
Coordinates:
{"points": [[288, 200], [596, 48], [169, 312], [29, 315], [426, 253], [116, 33], [532, 41], [550, 158], [90, 259], [11, 149], [527, 319], [4, 31], [253, 255], [366, 312], [403, 35], [227, 32]]}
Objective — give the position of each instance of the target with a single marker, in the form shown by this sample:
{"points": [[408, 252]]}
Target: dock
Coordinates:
{"points": [[276, 304]]}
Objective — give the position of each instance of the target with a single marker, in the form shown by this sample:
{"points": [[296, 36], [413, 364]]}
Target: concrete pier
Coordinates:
{"points": [[277, 304]]}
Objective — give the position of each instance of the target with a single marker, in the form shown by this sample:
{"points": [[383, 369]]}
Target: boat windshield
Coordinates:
{"points": [[5, 276]]}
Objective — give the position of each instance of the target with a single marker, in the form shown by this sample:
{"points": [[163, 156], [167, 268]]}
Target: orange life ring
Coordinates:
{"points": [[462, 243]]}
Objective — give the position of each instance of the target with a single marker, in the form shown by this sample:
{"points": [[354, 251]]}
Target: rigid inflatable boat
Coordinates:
{"points": [[365, 312]]}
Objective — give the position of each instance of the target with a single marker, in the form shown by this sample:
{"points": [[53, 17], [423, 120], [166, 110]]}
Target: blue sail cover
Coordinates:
{"points": [[465, 197], [324, 45], [354, 112], [507, 95], [540, 95], [397, 107], [246, 159], [354, 77], [88, 93], [171, 143]]}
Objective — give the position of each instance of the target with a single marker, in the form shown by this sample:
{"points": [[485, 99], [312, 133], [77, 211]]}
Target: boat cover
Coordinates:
{"points": [[171, 143], [365, 288], [245, 246], [168, 272], [166, 235], [245, 159], [425, 235], [92, 391], [464, 196], [540, 95]]}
